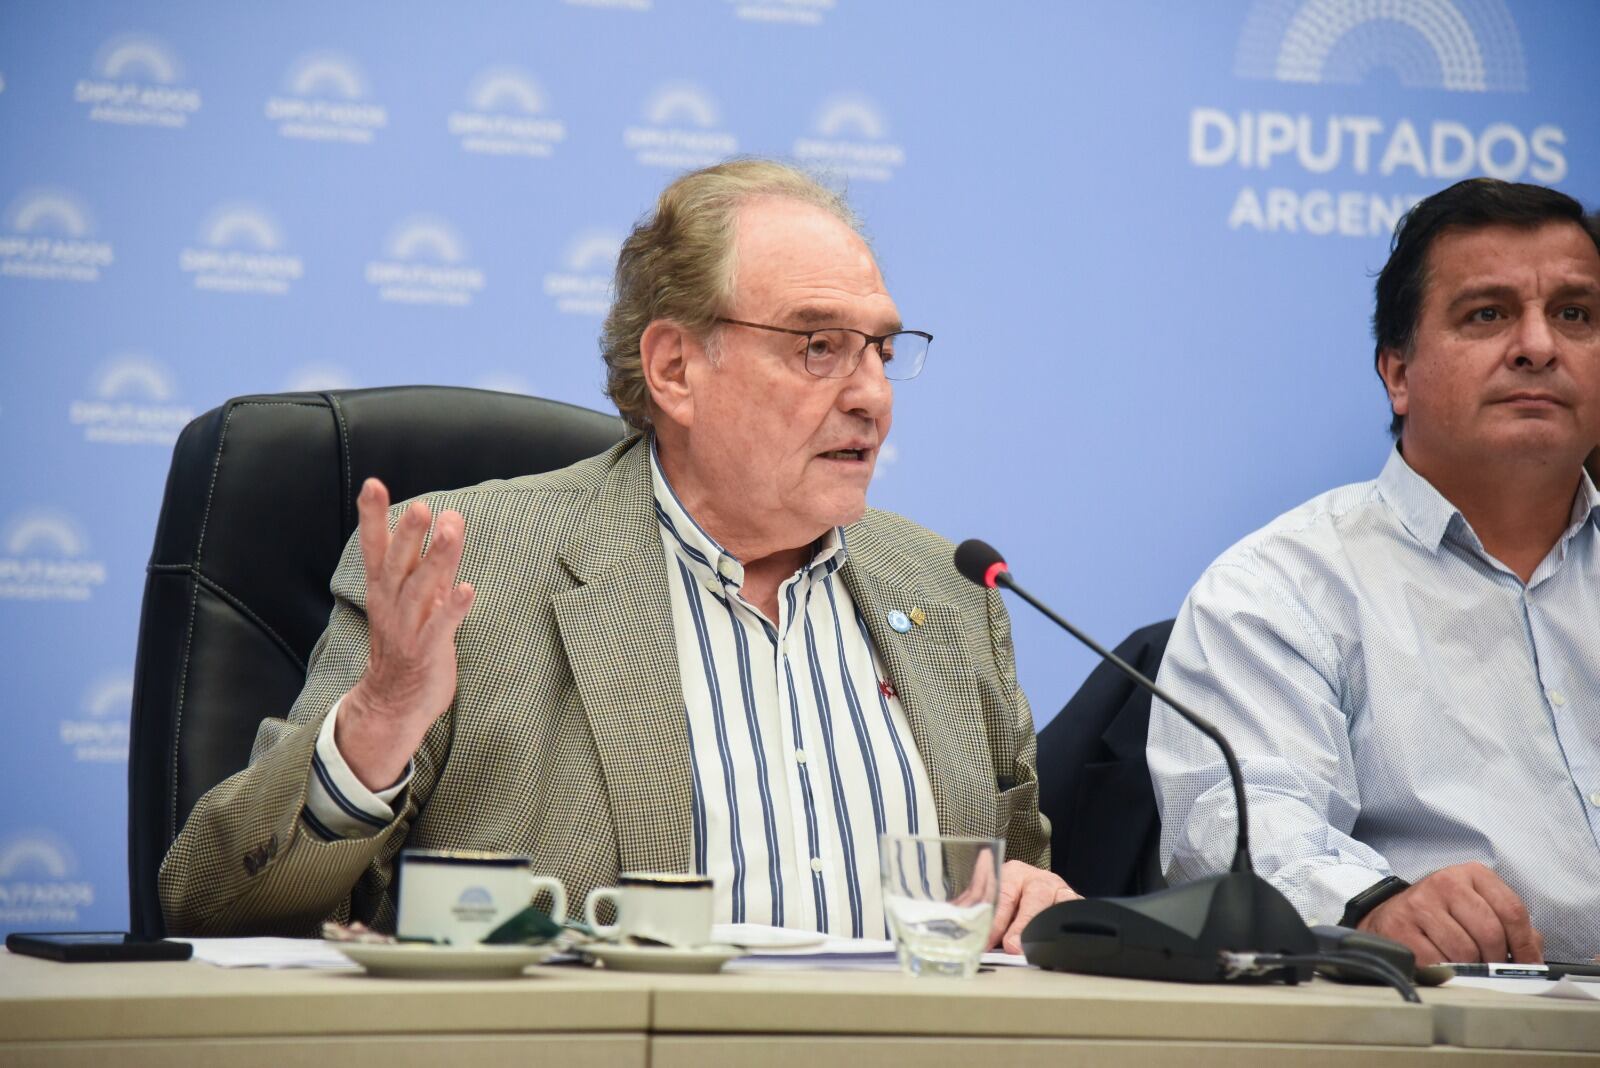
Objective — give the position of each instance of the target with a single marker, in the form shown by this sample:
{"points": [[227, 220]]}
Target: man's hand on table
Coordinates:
{"points": [[414, 606], [1025, 891], [1463, 913]]}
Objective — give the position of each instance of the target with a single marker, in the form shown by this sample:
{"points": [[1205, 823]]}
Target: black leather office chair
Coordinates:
{"points": [[259, 503], [1094, 784]]}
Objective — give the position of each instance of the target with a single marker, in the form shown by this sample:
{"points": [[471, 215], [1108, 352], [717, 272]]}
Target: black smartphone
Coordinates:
{"points": [[82, 947]]}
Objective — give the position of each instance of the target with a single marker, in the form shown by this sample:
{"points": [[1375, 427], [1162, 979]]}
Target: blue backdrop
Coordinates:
{"points": [[1142, 232]]}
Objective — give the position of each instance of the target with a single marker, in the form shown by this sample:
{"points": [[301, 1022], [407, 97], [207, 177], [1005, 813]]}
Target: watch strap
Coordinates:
{"points": [[1370, 898]]}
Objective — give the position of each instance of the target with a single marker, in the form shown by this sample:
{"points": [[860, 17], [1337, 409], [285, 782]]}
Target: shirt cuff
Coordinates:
{"points": [[1326, 891], [337, 804]]}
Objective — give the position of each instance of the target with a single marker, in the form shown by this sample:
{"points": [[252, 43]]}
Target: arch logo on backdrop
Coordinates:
{"points": [[99, 734], [136, 81], [48, 234], [797, 12], [849, 139], [44, 556], [130, 404], [506, 116], [318, 378], [425, 262], [1459, 46], [583, 284], [326, 98], [241, 251], [682, 130], [36, 881]]}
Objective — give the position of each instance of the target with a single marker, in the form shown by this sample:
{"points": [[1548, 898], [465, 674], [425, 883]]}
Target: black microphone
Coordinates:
{"points": [[1178, 933]]}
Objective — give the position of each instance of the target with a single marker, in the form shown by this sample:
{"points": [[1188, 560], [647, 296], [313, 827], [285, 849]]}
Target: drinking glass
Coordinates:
{"points": [[939, 895]]}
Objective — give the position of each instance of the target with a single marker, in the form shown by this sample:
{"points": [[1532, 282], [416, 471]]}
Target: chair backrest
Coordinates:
{"points": [[1094, 784], [259, 503]]}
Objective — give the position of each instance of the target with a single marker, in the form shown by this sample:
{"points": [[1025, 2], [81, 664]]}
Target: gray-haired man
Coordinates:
{"points": [[699, 651]]}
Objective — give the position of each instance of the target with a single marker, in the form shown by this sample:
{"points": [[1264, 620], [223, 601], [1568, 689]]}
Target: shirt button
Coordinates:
{"points": [[816, 862], [1594, 799], [799, 756], [1558, 698]]}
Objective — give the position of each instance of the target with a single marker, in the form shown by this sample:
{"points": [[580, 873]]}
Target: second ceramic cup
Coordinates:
{"points": [[658, 907]]}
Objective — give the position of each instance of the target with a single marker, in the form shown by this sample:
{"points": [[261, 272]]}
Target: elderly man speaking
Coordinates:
{"points": [[699, 651]]}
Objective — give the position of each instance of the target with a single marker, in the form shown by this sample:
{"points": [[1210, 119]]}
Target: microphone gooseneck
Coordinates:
{"points": [[1231, 927], [981, 563]]}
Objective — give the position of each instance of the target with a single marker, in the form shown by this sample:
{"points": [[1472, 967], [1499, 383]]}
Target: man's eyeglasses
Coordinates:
{"points": [[836, 351]]}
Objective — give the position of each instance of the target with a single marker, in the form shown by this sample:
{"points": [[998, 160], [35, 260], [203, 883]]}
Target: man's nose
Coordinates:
{"points": [[868, 389], [1534, 346]]}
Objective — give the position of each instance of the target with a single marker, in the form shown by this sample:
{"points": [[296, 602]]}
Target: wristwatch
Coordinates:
{"points": [[1370, 898]]}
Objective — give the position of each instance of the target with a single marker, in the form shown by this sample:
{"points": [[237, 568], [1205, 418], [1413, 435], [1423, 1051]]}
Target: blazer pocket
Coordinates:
{"points": [[1019, 800]]}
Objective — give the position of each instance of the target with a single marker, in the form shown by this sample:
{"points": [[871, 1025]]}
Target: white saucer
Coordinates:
{"points": [[696, 959], [411, 960], [758, 936]]}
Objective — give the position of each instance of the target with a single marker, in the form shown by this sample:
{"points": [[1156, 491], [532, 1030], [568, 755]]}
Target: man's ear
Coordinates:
{"points": [[1392, 369], [665, 349]]}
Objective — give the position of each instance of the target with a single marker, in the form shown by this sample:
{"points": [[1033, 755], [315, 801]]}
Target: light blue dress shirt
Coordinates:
{"points": [[1400, 702]]}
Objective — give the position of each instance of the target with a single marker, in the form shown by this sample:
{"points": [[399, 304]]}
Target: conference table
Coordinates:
{"points": [[193, 1013]]}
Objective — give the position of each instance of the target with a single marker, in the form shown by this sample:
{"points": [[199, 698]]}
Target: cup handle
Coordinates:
{"points": [[558, 896], [591, 910]]}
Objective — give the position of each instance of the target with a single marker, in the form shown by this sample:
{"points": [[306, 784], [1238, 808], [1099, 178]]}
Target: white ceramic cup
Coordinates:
{"points": [[675, 909], [459, 897]]}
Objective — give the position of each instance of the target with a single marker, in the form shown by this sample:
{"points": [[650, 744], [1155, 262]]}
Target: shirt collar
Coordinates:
{"points": [[1586, 506], [711, 564], [1427, 514], [1422, 509]]}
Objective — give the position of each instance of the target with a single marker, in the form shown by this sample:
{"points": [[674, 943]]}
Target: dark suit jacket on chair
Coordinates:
{"points": [[1094, 785]]}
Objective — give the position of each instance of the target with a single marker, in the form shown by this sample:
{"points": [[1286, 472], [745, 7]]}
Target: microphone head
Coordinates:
{"points": [[980, 562]]}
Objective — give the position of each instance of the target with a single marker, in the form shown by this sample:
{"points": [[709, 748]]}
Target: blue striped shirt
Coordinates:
{"points": [[802, 755], [1400, 701]]}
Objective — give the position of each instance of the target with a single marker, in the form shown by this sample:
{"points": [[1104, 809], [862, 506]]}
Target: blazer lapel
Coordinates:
{"points": [[933, 678], [617, 629]]}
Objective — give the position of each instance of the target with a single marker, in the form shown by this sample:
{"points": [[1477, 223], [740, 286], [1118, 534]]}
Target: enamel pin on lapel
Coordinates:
{"points": [[917, 616], [899, 622]]}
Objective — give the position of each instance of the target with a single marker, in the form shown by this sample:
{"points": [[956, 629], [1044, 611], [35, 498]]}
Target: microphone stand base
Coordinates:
{"points": [[1178, 934]]}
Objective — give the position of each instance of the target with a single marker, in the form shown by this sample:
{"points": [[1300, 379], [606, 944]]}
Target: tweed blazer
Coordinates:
{"points": [[567, 739]]}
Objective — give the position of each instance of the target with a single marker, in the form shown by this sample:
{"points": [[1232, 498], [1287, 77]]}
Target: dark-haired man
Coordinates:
{"points": [[1409, 667]]}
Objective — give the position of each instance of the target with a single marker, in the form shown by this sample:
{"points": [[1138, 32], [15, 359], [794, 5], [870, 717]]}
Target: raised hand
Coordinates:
{"points": [[414, 606]]}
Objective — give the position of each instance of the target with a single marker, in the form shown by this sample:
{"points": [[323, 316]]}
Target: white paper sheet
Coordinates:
{"points": [[1576, 988], [846, 954], [267, 953]]}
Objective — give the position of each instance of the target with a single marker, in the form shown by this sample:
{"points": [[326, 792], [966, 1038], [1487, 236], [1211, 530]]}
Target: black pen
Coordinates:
{"points": [[1502, 971]]}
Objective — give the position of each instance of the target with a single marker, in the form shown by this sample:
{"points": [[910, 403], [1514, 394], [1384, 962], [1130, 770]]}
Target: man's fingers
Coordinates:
{"points": [[1450, 937], [426, 589], [1005, 907], [1036, 896], [1426, 952], [1481, 923], [372, 506], [1522, 941], [405, 547], [451, 609]]}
